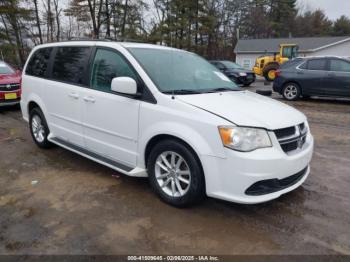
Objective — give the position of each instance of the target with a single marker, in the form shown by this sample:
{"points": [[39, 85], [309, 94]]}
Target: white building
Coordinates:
{"points": [[248, 50]]}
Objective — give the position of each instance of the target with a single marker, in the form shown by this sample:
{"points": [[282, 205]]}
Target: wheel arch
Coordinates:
{"points": [[35, 101], [31, 106], [161, 137]]}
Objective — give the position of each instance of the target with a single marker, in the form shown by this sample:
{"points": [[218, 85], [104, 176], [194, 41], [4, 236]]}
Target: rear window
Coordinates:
{"points": [[37, 66], [69, 64], [338, 65], [317, 64]]}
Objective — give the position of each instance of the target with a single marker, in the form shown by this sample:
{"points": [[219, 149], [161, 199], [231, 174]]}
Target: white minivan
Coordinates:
{"points": [[148, 110]]}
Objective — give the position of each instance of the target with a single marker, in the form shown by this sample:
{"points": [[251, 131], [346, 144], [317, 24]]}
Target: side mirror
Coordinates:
{"points": [[124, 85], [18, 72]]}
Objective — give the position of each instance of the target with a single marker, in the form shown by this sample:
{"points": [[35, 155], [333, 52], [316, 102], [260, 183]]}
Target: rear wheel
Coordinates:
{"points": [[291, 91], [175, 174], [38, 128], [270, 72]]}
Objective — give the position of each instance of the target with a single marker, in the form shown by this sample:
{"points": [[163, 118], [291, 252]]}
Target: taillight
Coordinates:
{"points": [[277, 73]]}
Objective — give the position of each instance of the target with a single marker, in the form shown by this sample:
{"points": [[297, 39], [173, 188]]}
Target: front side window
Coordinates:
{"points": [[108, 65], [317, 64], [338, 65], [179, 71], [37, 66], [69, 64]]}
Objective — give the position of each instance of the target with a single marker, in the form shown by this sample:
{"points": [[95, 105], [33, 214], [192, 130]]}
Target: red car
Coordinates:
{"points": [[10, 85]]}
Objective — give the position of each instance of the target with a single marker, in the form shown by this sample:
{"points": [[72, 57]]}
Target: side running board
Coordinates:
{"points": [[135, 172]]}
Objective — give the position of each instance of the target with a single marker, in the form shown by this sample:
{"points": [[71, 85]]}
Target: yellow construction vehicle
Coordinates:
{"points": [[266, 66]]}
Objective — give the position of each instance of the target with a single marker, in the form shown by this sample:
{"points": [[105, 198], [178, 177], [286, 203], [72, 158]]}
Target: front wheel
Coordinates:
{"points": [[291, 92], [175, 174]]}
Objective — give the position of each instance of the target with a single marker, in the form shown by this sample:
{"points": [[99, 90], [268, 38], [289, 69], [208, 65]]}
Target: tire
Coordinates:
{"points": [[269, 70], [291, 91], [167, 181], [39, 129]]}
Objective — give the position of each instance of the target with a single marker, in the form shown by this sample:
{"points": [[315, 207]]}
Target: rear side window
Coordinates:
{"points": [[69, 64], [317, 64], [37, 66], [338, 65]]}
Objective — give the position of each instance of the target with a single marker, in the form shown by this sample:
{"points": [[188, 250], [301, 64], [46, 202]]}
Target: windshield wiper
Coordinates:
{"points": [[221, 89], [182, 92]]}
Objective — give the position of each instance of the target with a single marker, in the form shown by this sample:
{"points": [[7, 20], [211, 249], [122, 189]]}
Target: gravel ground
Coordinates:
{"points": [[56, 202]]}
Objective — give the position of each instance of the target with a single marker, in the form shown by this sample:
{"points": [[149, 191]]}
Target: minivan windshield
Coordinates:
{"points": [[181, 72]]}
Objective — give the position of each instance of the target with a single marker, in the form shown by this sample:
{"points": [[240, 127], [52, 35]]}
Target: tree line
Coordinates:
{"points": [[208, 27]]}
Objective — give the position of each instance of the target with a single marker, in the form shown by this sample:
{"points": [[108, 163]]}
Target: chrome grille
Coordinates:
{"points": [[292, 138], [9, 87]]}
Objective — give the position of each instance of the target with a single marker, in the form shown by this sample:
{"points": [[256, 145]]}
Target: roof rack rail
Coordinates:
{"points": [[106, 39], [88, 39]]}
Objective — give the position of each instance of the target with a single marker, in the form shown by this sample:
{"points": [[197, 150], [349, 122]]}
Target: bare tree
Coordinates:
{"points": [[58, 11], [36, 10]]}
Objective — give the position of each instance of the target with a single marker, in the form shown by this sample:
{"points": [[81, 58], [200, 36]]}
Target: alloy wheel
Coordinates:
{"points": [[172, 174], [291, 92], [38, 129]]}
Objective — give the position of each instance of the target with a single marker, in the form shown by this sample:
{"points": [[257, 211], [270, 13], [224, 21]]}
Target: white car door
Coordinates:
{"points": [[63, 97], [110, 120]]}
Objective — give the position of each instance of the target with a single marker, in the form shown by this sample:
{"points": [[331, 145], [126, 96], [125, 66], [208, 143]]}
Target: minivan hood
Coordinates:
{"points": [[245, 108]]}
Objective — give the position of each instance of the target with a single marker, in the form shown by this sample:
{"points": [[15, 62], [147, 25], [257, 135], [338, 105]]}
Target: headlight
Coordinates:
{"points": [[243, 74], [244, 138]]}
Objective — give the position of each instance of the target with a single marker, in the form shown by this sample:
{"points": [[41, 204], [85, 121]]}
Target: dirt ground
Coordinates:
{"points": [[56, 202]]}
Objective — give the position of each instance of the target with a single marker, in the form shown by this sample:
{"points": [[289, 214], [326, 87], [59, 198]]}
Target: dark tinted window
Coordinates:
{"points": [[339, 65], [317, 64], [69, 64], [108, 65], [38, 63]]}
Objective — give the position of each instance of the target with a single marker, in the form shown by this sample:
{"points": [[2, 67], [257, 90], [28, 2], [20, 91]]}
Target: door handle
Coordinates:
{"points": [[331, 74], [89, 99], [74, 95]]}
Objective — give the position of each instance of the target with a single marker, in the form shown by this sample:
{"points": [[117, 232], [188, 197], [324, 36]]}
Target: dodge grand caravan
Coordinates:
{"points": [[147, 110]]}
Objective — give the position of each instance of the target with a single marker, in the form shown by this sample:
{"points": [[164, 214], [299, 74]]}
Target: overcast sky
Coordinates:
{"points": [[333, 8]]}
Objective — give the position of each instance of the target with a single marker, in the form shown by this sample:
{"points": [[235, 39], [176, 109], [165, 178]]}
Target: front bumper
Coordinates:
{"points": [[243, 80], [11, 102], [229, 178]]}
